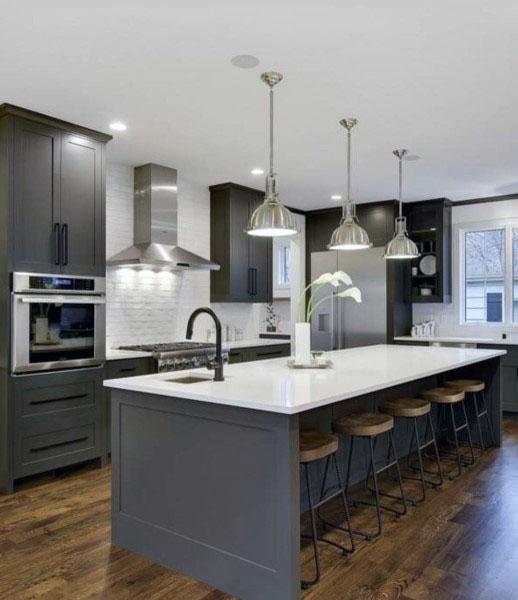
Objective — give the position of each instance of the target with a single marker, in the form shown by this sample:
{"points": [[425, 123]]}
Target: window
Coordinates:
{"points": [[284, 263], [489, 268], [484, 275]]}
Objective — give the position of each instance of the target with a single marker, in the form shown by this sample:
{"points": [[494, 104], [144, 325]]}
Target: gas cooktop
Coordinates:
{"points": [[170, 347]]}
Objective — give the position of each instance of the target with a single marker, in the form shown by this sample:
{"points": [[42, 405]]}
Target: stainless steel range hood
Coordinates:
{"points": [[155, 231]]}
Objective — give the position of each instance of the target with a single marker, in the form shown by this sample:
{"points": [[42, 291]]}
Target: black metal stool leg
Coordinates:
{"points": [[456, 441], [398, 471], [345, 504], [479, 423], [416, 501], [468, 433], [436, 450], [485, 413], [307, 583], [376, 491]]}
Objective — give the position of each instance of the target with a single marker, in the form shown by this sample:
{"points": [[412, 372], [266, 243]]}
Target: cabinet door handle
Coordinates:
{"points": [[62, 399], [249, 287], [64, 244], [59, 444], [254, 282], [57, 244]]}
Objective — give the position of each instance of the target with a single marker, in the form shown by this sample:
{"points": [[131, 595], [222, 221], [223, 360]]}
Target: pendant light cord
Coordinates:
{"points": [[348, 189], [400, 158], [271, 131]]}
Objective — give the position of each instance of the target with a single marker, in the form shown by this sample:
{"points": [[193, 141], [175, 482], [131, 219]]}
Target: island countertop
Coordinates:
{"points": [[271, 386]]}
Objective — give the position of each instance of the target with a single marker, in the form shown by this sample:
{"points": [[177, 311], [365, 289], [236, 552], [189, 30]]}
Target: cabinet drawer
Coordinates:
{"points": [[53, 398], [131, 367], [51, 450], [266, 352]]}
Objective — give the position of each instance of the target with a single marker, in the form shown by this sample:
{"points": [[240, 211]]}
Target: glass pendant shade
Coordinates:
{"points": [[349, 235], [271, 218], [401, 247]]}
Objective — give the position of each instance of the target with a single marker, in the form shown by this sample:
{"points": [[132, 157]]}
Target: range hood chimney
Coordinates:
{"points": [[155, 232]]}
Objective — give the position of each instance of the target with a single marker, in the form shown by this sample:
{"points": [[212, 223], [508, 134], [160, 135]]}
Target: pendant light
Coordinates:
{"points": [[401, 246], [349, 235], [271, 219]]}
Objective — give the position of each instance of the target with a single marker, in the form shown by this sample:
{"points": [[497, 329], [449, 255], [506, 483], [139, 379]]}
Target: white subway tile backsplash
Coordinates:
{"points": [[153, 306]]}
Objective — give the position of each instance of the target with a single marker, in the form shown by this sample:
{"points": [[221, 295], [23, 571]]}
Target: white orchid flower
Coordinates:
{"points": [[324, 278], [335, 279], [353, 293], [342, 277]]}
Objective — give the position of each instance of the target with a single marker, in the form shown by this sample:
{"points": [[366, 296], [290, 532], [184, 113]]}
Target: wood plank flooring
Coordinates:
{"points": [[461, 544]]}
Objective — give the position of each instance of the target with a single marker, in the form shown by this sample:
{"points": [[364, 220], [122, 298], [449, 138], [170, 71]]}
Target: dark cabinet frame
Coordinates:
{"points": [[245, 261], [54, 187], [430, 221]]}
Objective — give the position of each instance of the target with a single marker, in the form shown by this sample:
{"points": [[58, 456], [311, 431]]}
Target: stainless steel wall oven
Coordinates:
{"points": [[57, 322]]}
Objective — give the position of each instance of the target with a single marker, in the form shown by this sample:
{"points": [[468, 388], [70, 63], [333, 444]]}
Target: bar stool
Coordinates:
{"points": [[415, 408], [474, 387], [315, 446], [450, 397], [371, 426]]}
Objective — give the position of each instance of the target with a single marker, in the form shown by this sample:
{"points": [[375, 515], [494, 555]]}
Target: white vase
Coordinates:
{"points": [[302, 343]]}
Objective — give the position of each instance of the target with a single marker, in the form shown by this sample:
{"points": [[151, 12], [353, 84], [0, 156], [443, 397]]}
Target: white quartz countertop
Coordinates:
{"points": [[115, 354], [271, 386], [454, 340], [254, 342]]}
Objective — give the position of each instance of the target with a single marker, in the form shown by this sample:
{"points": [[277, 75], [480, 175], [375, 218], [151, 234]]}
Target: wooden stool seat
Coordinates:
{"points": [[364, 424], [315, 445], [443, 395], [406, 407], [467, 385]]}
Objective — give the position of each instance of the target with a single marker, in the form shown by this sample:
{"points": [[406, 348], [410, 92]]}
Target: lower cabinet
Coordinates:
{"points": [[509, 376], [117, 369], [237, 355], [57, 420]]}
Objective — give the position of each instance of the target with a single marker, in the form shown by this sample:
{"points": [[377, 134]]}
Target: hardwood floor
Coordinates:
{"points": [[461, 544]]}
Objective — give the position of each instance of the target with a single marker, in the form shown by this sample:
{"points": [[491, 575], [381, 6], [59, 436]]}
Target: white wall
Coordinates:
{"points": [[148, 306], [447, 316]]}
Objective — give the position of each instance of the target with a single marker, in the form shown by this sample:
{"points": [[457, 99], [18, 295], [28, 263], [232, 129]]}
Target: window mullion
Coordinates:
{"points": [[508, 274]]}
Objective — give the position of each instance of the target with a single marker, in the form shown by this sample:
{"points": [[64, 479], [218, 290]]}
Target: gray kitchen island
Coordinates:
{"points": [[206, 474]]}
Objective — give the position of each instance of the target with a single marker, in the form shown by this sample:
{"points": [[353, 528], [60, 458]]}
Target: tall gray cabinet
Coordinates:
{"points": [[52, 221]]}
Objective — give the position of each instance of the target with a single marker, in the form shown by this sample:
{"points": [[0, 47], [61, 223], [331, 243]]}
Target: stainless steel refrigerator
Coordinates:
{"points": [[341, 322]]}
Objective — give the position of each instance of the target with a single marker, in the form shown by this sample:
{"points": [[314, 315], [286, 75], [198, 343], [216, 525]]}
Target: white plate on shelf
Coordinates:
{"points": [[428, 265]]}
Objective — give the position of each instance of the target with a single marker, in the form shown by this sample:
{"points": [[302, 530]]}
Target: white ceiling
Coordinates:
{"points": [[439, 77]]}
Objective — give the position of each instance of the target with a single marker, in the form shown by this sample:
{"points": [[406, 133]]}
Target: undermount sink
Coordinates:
{"points": [[189, 379]]}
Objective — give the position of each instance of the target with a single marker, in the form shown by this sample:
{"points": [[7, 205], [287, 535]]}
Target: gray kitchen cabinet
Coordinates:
{"points": [[55, 190], [245, 261], [82, 205], [117, 369], [237, 355], [510, 376], [36, 175], [56, 419]]}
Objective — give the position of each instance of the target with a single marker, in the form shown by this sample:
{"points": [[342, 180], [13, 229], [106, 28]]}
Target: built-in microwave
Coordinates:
{"points": [[57, 322]]}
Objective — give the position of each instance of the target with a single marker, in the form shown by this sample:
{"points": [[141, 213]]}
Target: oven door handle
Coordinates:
{"points": [[55, 299]]}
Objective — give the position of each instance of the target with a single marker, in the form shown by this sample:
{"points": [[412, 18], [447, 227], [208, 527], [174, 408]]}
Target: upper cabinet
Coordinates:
{"points": [[245, 261], [429, 226], [56, 190], [377, 218]]}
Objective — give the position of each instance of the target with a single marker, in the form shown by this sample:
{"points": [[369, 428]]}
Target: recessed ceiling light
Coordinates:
{"points": [[118, 126], [257, 171], [245, 61], [336, 197]]}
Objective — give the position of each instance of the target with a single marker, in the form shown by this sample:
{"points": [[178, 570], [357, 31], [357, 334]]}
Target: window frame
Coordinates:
{"points": [[490, 225]]}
